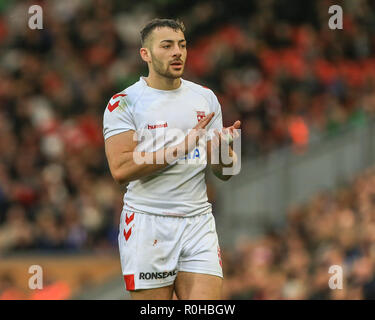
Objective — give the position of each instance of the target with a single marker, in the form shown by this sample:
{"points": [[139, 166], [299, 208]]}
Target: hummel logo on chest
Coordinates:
{"points": [[154, 126]]}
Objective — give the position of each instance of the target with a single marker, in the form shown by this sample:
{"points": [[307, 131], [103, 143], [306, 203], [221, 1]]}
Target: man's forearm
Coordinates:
{"points": [[127, 169]]}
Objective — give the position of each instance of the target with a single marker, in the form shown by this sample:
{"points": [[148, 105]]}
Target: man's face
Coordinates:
{"points": [[168, 52]]}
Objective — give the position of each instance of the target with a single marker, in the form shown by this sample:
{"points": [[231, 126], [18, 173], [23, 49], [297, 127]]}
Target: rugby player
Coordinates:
{"points": [[167, 236]]}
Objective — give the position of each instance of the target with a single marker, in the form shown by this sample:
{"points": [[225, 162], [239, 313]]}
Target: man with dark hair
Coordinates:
{"points": [[160, 23], [167, 240]]}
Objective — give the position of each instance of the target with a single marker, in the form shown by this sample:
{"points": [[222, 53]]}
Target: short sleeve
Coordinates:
{"points": [[117, 116]]}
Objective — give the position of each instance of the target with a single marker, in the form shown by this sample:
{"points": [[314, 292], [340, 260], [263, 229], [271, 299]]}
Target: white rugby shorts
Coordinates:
{"points": [[154, 248]]}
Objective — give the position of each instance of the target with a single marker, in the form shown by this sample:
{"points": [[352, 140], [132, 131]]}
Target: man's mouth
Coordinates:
{"points": [[176, 63]]}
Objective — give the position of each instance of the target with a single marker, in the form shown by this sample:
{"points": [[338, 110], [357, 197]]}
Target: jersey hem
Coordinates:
{"points": [[184, 215], [113, 133], [210, 272], [152, 285]]}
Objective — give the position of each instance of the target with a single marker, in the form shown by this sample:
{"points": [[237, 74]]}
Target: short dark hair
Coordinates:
{"points": [[158, 23]]}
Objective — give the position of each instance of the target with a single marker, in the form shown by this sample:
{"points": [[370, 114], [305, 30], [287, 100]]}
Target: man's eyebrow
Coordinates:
{"points": [[171, 41]]}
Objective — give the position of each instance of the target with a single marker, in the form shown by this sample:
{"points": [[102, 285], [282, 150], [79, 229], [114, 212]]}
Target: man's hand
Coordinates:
{"points": [[192, 138], [197, 132], [230, 133], [226, 136]]}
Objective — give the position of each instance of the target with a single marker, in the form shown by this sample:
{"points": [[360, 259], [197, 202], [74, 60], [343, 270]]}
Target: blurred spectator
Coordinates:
{"points": [[16, 232], [333, 229]]}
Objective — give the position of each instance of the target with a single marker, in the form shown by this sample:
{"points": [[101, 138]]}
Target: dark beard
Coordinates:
{"points": [[158, 67]]}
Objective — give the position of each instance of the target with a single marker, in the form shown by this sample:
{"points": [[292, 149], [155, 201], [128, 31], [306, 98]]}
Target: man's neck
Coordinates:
{"points": [[162, 83]]}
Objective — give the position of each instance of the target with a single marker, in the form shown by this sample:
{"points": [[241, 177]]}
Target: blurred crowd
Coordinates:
{"points": [[274, 65], [333, 229]]}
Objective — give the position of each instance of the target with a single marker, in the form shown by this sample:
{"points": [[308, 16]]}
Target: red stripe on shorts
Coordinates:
{"points": [[129, 281]]}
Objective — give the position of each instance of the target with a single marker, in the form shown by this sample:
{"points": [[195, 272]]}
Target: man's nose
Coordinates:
{"points": [[177, 51]]}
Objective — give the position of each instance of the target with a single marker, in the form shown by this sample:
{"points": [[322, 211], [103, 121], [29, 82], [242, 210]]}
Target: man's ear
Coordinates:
{"points": [[145, 54]]}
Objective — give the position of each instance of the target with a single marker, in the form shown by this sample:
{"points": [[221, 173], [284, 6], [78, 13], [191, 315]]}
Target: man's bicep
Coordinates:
{"points": [[117, 145]]}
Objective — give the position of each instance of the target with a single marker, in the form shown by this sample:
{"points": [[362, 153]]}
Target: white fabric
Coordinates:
{"points": [[154, 248], [179, 189]]}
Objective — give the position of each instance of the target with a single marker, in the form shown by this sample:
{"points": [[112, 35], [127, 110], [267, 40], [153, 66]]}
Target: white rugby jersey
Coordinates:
{"points": [[180, 188]]}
